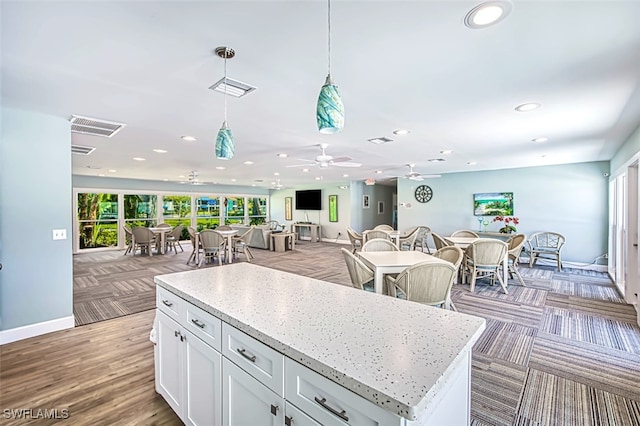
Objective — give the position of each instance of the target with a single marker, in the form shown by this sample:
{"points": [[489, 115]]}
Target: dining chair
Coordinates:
{"points": [[163, 225], [195, 243], [409, 240], [546, 245], [421, 240], [374, 233], [428, 283], [439, 241], [514, 246], [355, 238], [483, 258], [379, 244], [274, 225], [128, 239], [465, 233], [173, 238], [143, 239], [213, 245], [361, 275], [241, 244], [224, 228], [384, 227], [455, 256]]}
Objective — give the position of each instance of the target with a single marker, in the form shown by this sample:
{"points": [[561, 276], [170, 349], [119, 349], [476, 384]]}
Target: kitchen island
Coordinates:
{"points": [[323, 352]]}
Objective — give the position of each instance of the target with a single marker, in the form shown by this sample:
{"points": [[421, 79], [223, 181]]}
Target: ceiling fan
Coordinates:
{"points": [[413, 175], [277, 185], [193, 178], [323, 160]]}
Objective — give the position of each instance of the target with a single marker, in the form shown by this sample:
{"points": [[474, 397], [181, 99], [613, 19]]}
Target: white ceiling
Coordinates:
{"points": [[411, 65]]}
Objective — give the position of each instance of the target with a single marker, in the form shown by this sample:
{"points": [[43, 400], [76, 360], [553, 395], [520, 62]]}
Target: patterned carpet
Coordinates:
{"points": [[564, 350]]}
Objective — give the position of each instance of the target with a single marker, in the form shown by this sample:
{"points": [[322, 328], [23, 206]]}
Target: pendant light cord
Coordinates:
{"points": [[226, 54], [329, 41]]}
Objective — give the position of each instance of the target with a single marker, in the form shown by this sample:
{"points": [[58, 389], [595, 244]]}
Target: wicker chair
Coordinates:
{"points": [[455, 256], [421, 240], [483, 258], [224, 228], [465, 233], [409, 240], [425, 282], [514, 246], [439, 241], [384, 228], [143, 239], [361, 275], [195, 243], [213, 245], [374, 233], [546, 245], [379, 244], [163, 225], [241, 244], [355, 239], [128, 238], [173, 238]]}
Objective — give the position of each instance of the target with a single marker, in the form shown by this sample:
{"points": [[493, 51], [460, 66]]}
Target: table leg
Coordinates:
{"points": [[229, 249], [378, 281], [163, 239]]}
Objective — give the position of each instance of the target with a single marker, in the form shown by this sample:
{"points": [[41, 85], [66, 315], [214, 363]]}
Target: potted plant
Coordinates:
{"points": [[508, 220]]}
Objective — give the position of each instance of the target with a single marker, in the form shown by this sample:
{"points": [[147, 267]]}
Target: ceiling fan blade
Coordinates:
{"points": [[313, 163], [346, 164], [341, 159], [430, 176]]}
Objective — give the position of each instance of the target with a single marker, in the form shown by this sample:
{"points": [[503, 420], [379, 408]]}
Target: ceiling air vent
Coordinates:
{"points": [[234, 87], [94, 126], [380, 140], [82, 150]]}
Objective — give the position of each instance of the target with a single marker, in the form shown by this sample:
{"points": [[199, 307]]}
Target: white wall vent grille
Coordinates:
{"points": [[82, 150], [234, 87], [94, 126]]}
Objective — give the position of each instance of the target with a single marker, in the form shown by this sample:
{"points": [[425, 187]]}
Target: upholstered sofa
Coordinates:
{"points": [[261, 237]]}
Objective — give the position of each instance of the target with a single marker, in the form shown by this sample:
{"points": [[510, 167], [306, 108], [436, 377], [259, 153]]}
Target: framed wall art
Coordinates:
{"points": [[288, 213], [365, 201], [333, 208]]}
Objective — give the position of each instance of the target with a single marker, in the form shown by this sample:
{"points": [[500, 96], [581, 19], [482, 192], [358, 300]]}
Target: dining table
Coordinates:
{"points": [[464, 242], [162, 232], [228, 234], [392, 262]]}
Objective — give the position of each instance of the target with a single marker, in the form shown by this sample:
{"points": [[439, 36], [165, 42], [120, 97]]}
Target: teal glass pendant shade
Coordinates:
{"points": [[224, 143], [330, 110]]}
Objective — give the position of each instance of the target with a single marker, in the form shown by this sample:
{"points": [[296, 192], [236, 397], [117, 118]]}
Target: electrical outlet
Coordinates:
{"points": [[339, 233], [59, 234]]}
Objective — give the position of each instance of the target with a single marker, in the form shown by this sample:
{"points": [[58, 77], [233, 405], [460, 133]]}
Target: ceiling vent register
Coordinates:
{"points": [[82, 150], [94, 126], [234, 87]]}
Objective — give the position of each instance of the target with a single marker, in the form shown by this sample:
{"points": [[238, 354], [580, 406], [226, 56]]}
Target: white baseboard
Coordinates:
{"points": [[333, 240], [32, 330]]}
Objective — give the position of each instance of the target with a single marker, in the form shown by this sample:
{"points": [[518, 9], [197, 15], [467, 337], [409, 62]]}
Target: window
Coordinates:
{"points": [[140, 210], [257, 209], [208, 212], [234, 210], [97, 220], [176, 210]]}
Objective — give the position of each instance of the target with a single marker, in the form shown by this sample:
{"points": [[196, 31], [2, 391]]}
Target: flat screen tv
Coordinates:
{"points": [[310, 199], [493, 204]]}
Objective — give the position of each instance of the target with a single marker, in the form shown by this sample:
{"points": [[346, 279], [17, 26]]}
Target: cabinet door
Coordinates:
{"points": [[169, 377], [246, 401], [295, 417], [203, 383]]}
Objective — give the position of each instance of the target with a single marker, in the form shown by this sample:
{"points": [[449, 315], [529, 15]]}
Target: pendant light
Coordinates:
{"points": [[224, 141], [330, 110]]}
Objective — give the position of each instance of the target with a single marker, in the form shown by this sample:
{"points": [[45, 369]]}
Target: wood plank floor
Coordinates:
{"points": [[565, 350]]}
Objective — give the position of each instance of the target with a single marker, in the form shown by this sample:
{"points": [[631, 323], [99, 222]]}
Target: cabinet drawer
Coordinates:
{"points": [[295, 417], [329, 403], [204, 325], [256, 358], [170, 304]]}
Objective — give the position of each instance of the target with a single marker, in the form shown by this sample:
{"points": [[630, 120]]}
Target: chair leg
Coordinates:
{"points": [[517, 274], [502, 283], [559, 264]]}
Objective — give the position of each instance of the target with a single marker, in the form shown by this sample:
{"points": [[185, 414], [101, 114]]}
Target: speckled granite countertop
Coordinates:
{"points": [[394, 353]]}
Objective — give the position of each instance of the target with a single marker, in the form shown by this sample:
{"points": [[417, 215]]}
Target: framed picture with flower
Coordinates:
{"points": [[333, 208]]}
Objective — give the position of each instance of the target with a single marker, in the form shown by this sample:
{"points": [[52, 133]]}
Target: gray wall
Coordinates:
{"points": [[571, 199], [36, 281], [369, 218], [627, 151]]}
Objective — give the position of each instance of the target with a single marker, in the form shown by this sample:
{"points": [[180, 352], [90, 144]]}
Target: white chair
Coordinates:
{"points": [[128, 238], [224, 228], [143, 239], [374, 233], [173, 238], [241, 244], [455, 256], [425, 282], [465, 233], [213, 245], [195, 243], [546, 245], [163, 225], [379, 244], [439, 241], [421, 239], [409, 240], [355, 239], [483, 258], [384, 228], [361, 275]]}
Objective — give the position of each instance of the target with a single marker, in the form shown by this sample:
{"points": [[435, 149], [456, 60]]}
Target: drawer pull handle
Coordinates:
{"points": [[288, 420], [244, 354], [274, 409], [198, 323], [167, 303], [323, 402]]}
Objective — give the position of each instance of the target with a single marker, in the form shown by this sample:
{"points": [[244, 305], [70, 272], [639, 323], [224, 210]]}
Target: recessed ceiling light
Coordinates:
{"points": [[305, 170], [219, 167], [101, 174], [380, 140], [401, 132], [471, 163], [139, 158], [166, 180], [436, 160], [487, 14], [446, 151], [253, 184], [188, 138], [160, 151], [233, 180], [248, 162], [181, 176], [345, 175], [539, 140], [283, 155], [378, 171], [112, 170], [318, 178], [276, 174], [529, 106]]}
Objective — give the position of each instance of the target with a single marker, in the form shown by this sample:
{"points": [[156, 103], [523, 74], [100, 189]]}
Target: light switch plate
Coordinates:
{"points": [[59, 234]]}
